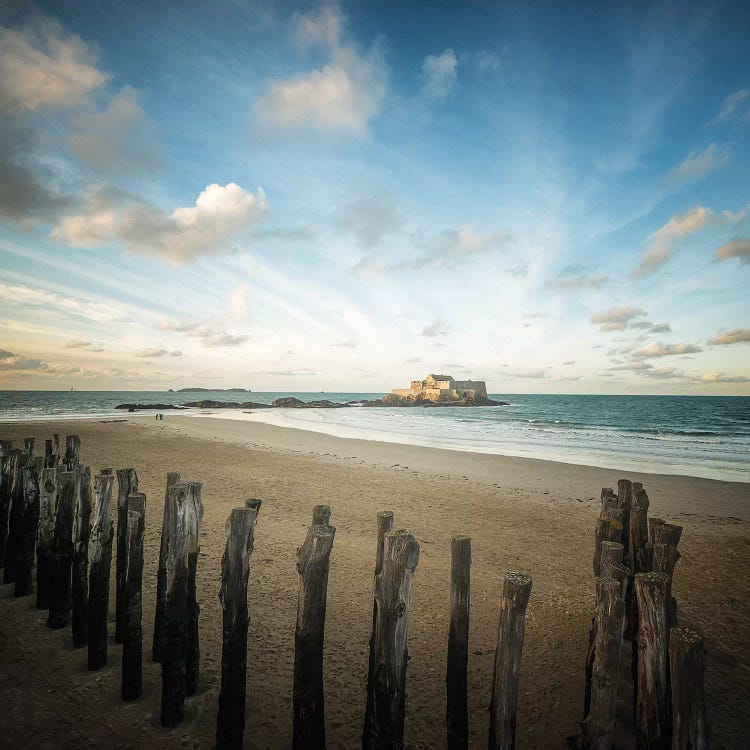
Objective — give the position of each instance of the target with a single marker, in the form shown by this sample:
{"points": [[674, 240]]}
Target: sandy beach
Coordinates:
{"points": [[522, 514]]}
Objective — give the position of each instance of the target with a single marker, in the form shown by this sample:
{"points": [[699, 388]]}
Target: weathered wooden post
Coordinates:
{"points": [[45, 533], [625, 502], [687, 661], [28, 529], [235, 565], [28, 445], [19, 460], [173, 478], [510, 632], [132, 651], [193, 655], [6, 446], [321, 515], [598, 726], [653, 723], [457, 716], [72, 451], [385, 524], [61, 559], [51, 451], [81, 532], [639, 531], [384, 726], [612, 553], [127, 484], [308, 698], [6, 481], [174, 653], [664, 556], [609, 526], [100, 547]]}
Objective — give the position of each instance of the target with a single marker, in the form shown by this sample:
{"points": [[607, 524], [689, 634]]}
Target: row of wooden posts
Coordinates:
{"points": [[634, 562], [46, 510]]}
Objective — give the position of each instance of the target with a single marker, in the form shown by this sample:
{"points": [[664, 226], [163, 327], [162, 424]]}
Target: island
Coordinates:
{"points": [[433, 391], [212, 390]]}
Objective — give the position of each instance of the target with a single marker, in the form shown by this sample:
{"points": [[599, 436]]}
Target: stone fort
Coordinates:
{"points": [[437, 387]]}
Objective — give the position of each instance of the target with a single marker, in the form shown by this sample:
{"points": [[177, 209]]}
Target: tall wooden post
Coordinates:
{"points": [[653, 724], [100, 548], [61, 559], [173, 478], [132, 646], [6, 446], [687, 661], [51, 452], [72, 451], [28, 529], [48, 488], [510, 633], [174, 653], [19, 460], [7, 467], [235, 566], [81, 532], [28, 445], [625, 502], [193, 654], [457, 716], [321, 515], [598, 726], [308, 698], [384, 525], [384, 725], [127, 481]]}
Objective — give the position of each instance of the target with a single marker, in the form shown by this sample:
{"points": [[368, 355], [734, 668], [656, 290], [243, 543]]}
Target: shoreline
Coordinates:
{"points": [[521, 514]]}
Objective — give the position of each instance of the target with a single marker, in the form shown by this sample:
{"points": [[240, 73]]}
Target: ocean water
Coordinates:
{"points": [[705, 436]]}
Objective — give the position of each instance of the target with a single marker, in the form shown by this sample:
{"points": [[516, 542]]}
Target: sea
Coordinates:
{"points": [[702, 436]]}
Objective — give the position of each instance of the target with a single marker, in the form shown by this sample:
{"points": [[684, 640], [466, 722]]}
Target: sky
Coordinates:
{"points": [[552, 197]]}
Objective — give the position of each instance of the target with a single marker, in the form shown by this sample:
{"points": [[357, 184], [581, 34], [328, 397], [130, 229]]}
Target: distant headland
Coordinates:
{"points": [[210, 390]]}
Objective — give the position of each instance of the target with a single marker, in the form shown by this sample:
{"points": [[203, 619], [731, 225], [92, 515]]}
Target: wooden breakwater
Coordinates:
{"points": [[634, 624]]}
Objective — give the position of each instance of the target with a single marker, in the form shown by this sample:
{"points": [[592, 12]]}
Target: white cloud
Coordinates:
{"points": [[41, 67], [737, 336], [25, 295], [220, 212], [699, 163], [209, 335], [738, 248], [657, 349], [151, 353], [435, 329], [719, 377], [342, 96], [440, 75], [371, 218], [118, 138], [616, 318], [660, 242], [77, 344], [731, 104]]}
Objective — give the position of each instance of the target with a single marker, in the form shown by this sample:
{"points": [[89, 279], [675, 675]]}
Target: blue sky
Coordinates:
{"points": [[552, 197]]}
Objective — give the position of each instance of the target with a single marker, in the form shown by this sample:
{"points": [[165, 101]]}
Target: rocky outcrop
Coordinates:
{"points": [[426, 403], [209, 404], [146, 407]]}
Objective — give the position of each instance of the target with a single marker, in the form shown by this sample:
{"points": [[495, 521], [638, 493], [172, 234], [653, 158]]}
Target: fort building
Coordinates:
{"points": [[442, 387]]}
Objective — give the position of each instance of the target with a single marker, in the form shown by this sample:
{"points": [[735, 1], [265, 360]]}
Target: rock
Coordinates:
{"points": [[209, 404], [142, 407], [287, 402]]}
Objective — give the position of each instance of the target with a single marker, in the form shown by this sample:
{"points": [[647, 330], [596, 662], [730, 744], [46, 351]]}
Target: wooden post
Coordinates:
{"points": [[598, 726], [173, 478], [61, 559], [625, 502], [19, 460], [321, 515], [6, 446], [45, 533], [639, 531], [28, 445], [384, 726], [28, 529], [193, 655], [132, 651], [235, 565], [653, 725], [667, 533], [457, 717], [608, 529], [687, 661], [510, 631], [174, 653], [100, 548], [81, 532], [127, 484], [51, 451], [313, 559], [7, 467], [384, 524], [72, 451], [612, 553]]}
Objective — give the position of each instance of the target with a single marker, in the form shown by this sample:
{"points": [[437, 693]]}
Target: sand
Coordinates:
{"points": [[522, 514]]}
